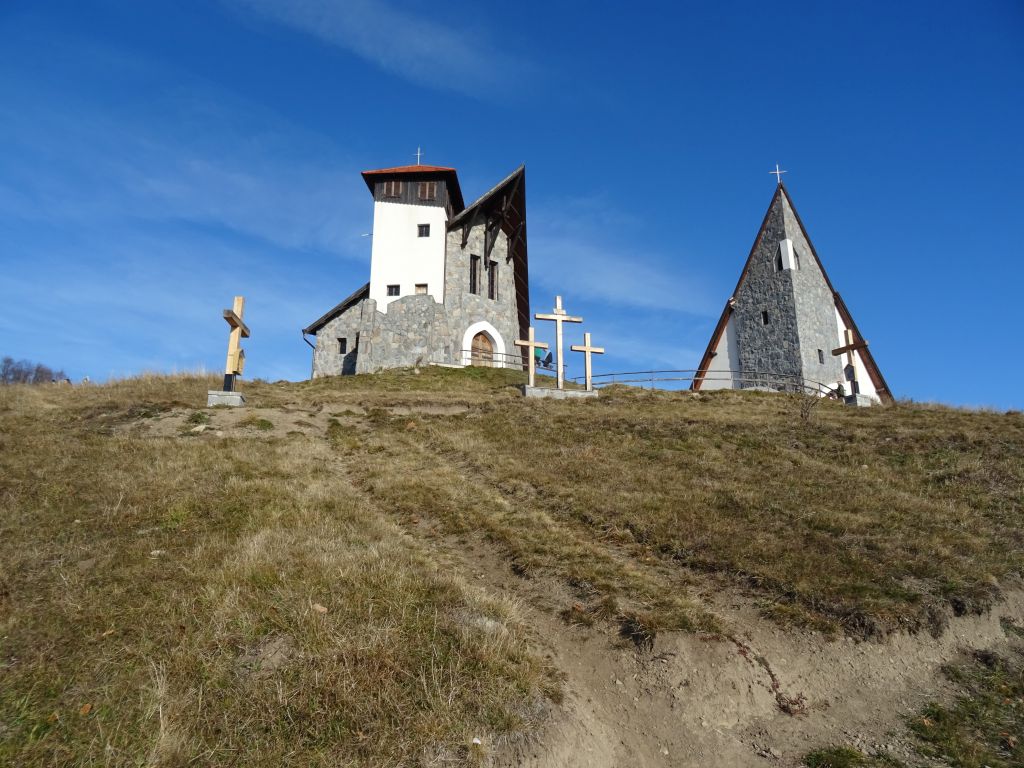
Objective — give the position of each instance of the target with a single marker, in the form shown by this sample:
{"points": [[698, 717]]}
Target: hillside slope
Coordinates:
{"points": [[425, 568]]}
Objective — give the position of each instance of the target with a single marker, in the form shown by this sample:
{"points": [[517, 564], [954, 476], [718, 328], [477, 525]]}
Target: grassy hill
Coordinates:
{"points": [[356, 571]]}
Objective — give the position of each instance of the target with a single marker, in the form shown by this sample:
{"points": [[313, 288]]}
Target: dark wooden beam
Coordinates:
{"points": [[850, 348]]}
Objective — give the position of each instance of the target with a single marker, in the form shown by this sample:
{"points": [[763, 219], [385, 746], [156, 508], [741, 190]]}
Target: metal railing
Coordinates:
{"points": [[516, 361], [767, 380]]}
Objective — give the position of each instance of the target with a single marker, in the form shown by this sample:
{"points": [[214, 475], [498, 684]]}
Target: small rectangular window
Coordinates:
{"points": [[421, 289], [764, 316], [392, 188], [474, 274], [778, 262], [821, 356], [423, 230], [393, 290], [342, 346], [428, 190], [492, 280]]}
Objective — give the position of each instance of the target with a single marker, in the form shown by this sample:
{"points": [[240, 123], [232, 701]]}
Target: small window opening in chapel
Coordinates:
{"points": [[393, 290], [778, 261], [492, 280], [764, 317], [428, 190], [392, 188], [423, 230], [342, 346], [421, 289], [821, 356], [474, 274]]}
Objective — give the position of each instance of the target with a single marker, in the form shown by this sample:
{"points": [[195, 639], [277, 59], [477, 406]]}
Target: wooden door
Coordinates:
{"points": [[482, 351]]}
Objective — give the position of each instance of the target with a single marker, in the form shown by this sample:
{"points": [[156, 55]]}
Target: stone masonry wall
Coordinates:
{"points": [[327, 357], [815, 311], [465, 308], [414, 331], [775, 347]]}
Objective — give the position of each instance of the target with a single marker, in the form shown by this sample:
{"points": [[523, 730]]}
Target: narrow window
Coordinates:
{"points": [[821, 356], [392, 290], [474, 274], [421, 288], [355, 347], [428, 190], [764, 316], [392, 188], [492, 280], [342, 346], [423, 230], [778, 262]]}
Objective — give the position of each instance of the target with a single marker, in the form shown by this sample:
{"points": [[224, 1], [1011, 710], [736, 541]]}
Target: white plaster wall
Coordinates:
{"points": [[727, 359], [399, 256], [867, 387]]}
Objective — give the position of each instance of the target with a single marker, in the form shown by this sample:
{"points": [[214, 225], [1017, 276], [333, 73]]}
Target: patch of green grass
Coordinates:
{"points": [[198, 417], [985, 725], [256, 422]]}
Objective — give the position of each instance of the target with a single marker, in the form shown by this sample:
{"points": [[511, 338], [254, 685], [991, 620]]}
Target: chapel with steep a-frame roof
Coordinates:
{"points": [[785, 320], [448, 284]]}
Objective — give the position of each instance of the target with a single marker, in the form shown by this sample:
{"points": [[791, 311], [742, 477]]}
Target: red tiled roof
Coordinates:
{"points": [[411, 169], [455, 193]]}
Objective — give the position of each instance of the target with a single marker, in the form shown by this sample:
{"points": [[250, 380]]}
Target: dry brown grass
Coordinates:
{"points": [[168, 601], [276, 598]]}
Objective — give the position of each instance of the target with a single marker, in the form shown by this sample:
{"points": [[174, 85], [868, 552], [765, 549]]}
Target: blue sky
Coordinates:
{"points": [[160, 157]]}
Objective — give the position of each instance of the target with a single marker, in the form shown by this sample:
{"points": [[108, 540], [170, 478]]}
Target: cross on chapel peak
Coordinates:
{"points": [[777, 173]]}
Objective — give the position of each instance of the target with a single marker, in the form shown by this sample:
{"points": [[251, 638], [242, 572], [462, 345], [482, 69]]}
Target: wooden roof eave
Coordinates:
{"points": [[336, 310]]}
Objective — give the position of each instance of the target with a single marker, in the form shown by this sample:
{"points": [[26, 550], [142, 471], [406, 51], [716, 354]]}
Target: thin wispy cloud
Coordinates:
{"points": [[589, 248], [446, 55], [106, 169]]}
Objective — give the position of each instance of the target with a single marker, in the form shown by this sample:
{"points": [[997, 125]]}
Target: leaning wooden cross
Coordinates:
{"points": [[529, 345], [587, 351], [559, 316], [236, 357], [851, 363]]}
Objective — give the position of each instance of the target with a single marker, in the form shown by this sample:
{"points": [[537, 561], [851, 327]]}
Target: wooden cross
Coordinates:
{"points": [[559, 317], [851, 363], [236, 355], [778, 173], [529, 344], [587, 351], [419, 154]]}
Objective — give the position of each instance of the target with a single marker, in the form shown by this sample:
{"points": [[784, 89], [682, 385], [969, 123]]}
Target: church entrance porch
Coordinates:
{"points": [[482, 350]]}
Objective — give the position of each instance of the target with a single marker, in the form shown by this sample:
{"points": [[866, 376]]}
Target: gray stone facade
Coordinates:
{"points": [[772, 347], [418, 330], [798, 305]]}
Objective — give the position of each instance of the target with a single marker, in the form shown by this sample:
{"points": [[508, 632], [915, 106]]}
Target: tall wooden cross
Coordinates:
{"points": [[559, 316], [851, 363], [236, 355], [529, 345], [778, 173], [587, 351]]}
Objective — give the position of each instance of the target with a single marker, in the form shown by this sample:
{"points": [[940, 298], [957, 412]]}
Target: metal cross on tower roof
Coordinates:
{"points": [[419, 155], [778, 173]]}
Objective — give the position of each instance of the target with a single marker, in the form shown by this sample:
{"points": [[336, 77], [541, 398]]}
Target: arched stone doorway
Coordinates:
{"points": [[482, 350], [483, 345]]}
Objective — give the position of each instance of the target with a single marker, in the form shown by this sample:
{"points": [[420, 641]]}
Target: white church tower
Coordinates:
{"points": [[411, 209]]}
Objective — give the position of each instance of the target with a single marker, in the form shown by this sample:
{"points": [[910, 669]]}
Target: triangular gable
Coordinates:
{"points": [[874, 373]]}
